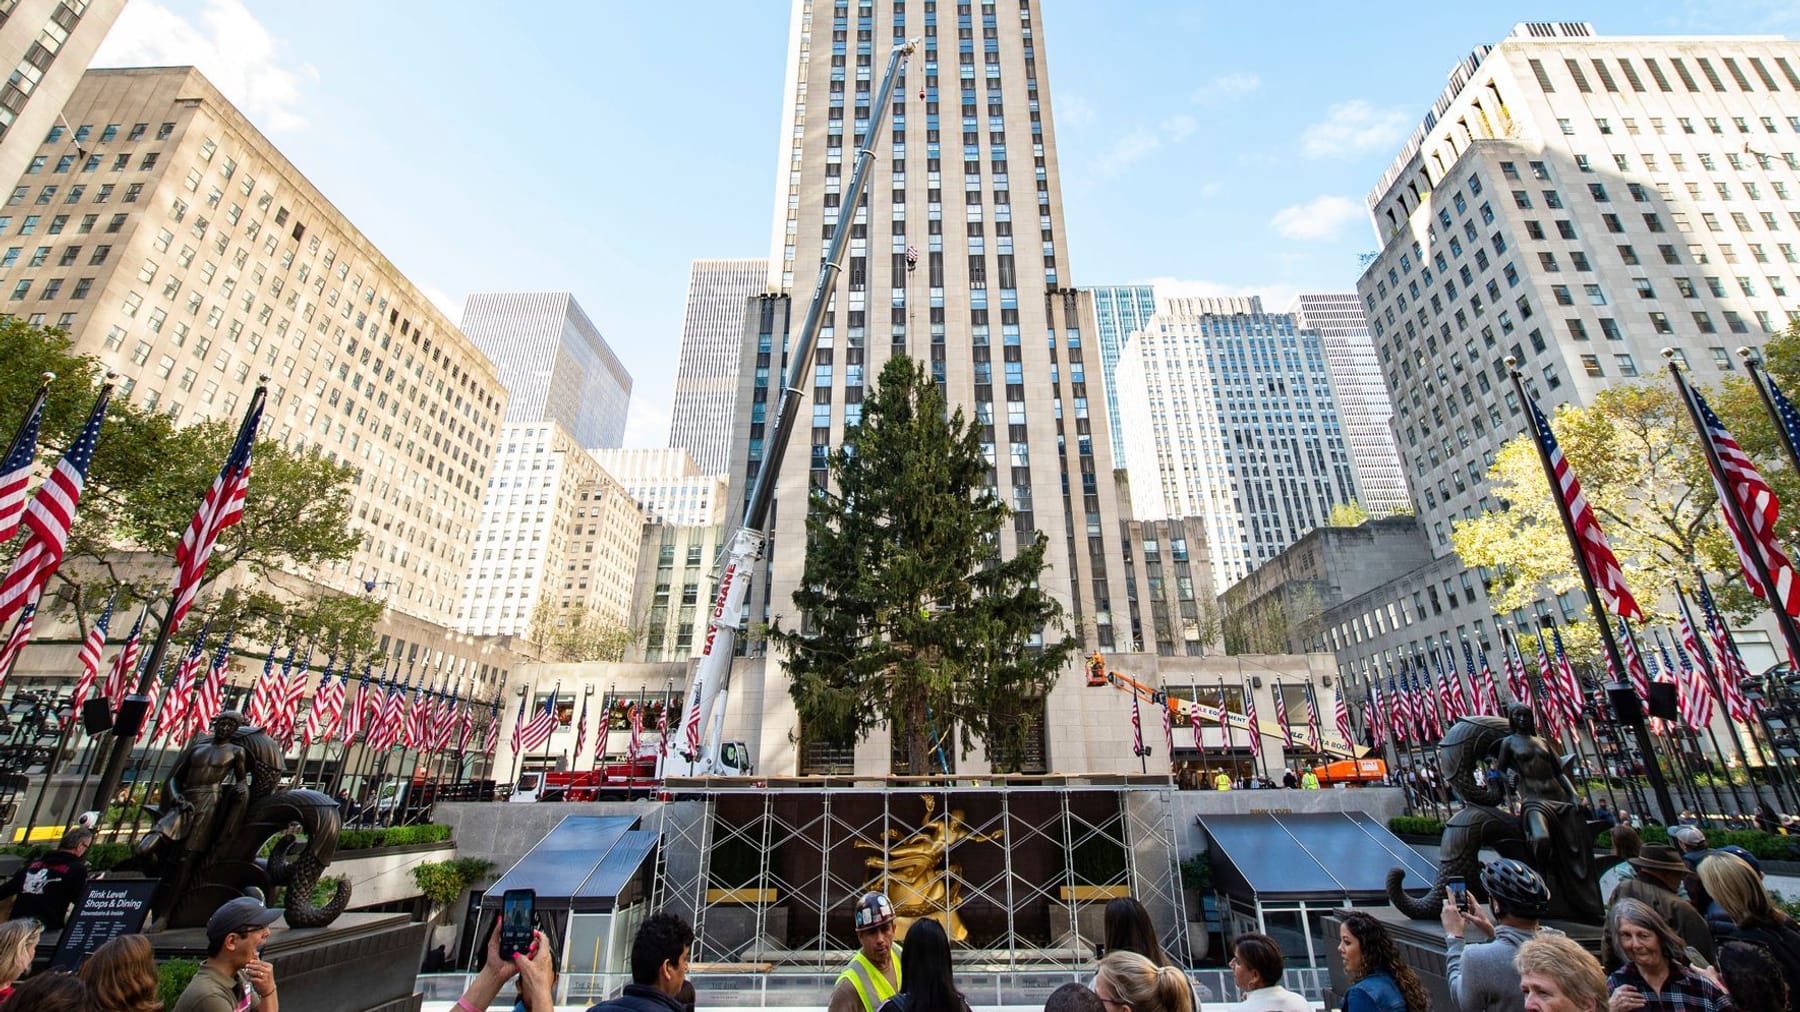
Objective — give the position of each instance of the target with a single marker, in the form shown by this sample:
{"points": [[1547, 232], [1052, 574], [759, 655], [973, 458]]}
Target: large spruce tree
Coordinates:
{"points": [[910, 616]]}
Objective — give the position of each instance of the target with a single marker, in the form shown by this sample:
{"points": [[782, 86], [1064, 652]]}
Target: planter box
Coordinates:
{"points": [[384, 874]]}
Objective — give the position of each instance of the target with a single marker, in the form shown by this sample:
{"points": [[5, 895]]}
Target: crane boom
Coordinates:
{"points": [[694, 751]]}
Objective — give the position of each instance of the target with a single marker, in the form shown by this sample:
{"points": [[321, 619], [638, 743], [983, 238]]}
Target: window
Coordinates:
{"points": [[1659, 322], [1644, 289], [1595, 296], [1627, 365]]}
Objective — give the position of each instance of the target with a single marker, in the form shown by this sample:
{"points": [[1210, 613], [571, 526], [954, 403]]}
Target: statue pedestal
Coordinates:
{"points": [[1421, 945], [358, 963]]}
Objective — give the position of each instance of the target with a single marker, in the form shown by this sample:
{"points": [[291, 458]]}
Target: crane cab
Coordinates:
{"points": [[1096, 669]]}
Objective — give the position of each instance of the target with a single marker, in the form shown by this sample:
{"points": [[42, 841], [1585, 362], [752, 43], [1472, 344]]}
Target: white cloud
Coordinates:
{"points": [[1226, 88], [1143, 142], [1178, 127], [1318, 219], [1074, 110], [1276, 297], [1353, 128], [648, 423], [235, 51]]}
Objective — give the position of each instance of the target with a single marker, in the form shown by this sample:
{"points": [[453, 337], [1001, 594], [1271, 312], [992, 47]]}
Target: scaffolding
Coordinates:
{"points": [[768, 872]]}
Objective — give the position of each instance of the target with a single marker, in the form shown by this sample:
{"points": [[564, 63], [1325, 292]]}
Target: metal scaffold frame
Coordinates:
{"points": [[767, 874]]}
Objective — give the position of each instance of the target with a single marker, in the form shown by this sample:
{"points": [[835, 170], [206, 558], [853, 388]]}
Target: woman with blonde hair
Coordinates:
{"points": [[1558, 975], [18, 944], [1131, 981], [1738, 891], [121, 976]]}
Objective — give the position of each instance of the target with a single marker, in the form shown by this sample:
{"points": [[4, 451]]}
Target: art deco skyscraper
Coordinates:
{"points": [[965, 175], [1363, 406], [554, 363], [712, 338]]}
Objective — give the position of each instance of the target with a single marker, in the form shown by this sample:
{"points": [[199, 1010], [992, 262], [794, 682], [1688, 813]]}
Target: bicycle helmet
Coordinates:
{"points": [[1514, 886], [873, 910]]}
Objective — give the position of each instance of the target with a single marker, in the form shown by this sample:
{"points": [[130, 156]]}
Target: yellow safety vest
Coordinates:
{"points": [[871, 984], [1222, 782]]}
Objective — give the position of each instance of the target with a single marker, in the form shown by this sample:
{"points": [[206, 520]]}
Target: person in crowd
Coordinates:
{"points": [[874, 975], [1481, 976], [1256, 968], [1747, 915], [1073, 997], [1128, 929], [1690, 842], [18, 943], [1289, 780], [1749, 975], [48, 885], [1659, 874], [121, 976], [1658, 975], [537, 976], [925, 966], [1626, 844], [688, 998], [234, 976], [1557, 975], [659, 967], [51, 992], [495, 972], [1380, 980], [1766, 819], [1309, 781], [1222, 782], [1131, 980]]}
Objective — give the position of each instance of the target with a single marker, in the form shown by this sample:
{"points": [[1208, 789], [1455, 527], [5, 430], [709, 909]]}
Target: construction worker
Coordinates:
{"points": [[1222, 782], [873, 975], [1309, 781]]}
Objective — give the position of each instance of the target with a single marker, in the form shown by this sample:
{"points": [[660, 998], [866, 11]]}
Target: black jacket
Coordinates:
{"points": [[1781, 941], [640, 998], [46, 887]]}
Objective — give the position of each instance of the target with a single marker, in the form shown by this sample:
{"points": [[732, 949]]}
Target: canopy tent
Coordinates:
{"points": [[587, 864]]}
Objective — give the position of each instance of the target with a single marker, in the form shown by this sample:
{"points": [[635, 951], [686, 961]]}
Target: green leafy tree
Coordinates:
{"points": [[145, 481], [910, 617], [1347, 514], [576, 634]]}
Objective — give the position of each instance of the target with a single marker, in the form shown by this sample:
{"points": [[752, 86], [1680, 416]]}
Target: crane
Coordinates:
{"points": [[695, 750]]}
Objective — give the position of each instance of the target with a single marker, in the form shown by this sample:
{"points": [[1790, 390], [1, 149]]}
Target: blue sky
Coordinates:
{"points": [[599, 147]]}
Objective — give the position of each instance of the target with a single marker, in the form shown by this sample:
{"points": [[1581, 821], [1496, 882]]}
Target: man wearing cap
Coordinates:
{"points": [[234, 977], [873, 975], [1659, 874]]}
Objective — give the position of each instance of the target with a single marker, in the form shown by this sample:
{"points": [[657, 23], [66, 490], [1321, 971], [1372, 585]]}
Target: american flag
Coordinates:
{"points": [[662, 721], [211, 699], [1372, 717], [1516, 682], [92, 648], [50, 515], [418, 707], [636, 711], [9, 651], [293, 690], [466, 722], [580, 731], [1596, 555], [1552, 708], [1730, 669], [1137, 728], [1168, 724], [1489, 697], [1399, 711], [222, 507], [1634, 662], [1312, 720], [15, 471], [171, 723], [1343, 718], [493, 729], [1568, 687], [1691, 693], [1250, 718], [386, 727], [268, 689], [1426, 701], [1281, 717], [327, 706], [355, 714], [1459, 699], [446, 728], [538, 731], [1760, 508]]}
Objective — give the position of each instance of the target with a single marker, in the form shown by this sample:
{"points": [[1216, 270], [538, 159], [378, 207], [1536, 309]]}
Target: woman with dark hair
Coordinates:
{"points": [[1256, 966], [1380, 980], [1658, 975], [1749, 974], [121, 976], [1626, 844], [51, 992], [1128, 928], [925, 970]]}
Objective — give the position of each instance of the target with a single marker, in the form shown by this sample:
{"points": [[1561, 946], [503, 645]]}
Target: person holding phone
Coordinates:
{"points": [[234, 976], [1482, 976]]}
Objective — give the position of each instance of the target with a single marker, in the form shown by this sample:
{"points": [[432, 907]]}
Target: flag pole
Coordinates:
{"points": [[1779, 780], [121, 745], [26, 434], [1640, 728], [1753, 363]]}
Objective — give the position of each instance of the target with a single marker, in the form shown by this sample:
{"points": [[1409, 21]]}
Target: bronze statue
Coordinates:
{"points": [[1548, 833], [218, 809], [917, 875]]}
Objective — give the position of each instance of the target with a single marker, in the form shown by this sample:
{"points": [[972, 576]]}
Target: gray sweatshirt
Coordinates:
{"points": [[1482, 978]]}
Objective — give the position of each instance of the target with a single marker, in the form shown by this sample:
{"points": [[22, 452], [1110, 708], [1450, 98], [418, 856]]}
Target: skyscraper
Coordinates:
{"points": [[712, 337], [553, 362], [989, 306], [1364, 410], [1228, 416], [1119, 310], [50, 43]]}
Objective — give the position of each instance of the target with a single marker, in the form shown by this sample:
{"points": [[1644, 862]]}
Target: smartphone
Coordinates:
{"points": [[1459, 891], [518, 915]]}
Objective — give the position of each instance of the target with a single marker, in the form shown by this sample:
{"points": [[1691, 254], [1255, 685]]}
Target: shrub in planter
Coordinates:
{"points": [[1416, 825], [172, 976]]}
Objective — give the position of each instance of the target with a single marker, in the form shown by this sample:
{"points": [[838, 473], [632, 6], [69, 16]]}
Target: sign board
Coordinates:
{"points": [[107, 910]]}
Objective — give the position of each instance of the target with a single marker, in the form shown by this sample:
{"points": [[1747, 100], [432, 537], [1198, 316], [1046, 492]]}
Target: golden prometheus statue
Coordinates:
{"points": [[916, 872]]}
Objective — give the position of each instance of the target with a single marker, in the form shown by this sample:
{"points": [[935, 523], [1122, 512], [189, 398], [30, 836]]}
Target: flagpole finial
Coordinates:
{"points": [[110, 376], [262, 379], [1512, 363], [1749, 355], [47, 376], [1669, 354]]}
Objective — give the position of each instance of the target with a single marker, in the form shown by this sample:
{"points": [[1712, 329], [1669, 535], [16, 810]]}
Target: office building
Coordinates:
{"points": [[558, 539], [1228, 416], [965, 172], [553, 362], [1578, 203], [712, 337], [49, 44], [668, 486], [189, 255], [1364, 410], [1118, 311]]}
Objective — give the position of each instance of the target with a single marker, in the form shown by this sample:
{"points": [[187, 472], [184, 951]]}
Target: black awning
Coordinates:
{"points": [[1330, 857]]}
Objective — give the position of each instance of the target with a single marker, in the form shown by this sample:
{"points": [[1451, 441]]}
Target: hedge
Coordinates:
{"points": [[1766, 846], [106, 856], [172, 976], [1415, 825]]}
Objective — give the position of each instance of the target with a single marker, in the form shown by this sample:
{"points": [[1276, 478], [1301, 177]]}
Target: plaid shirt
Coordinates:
{"points": [[1684, 991]]}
